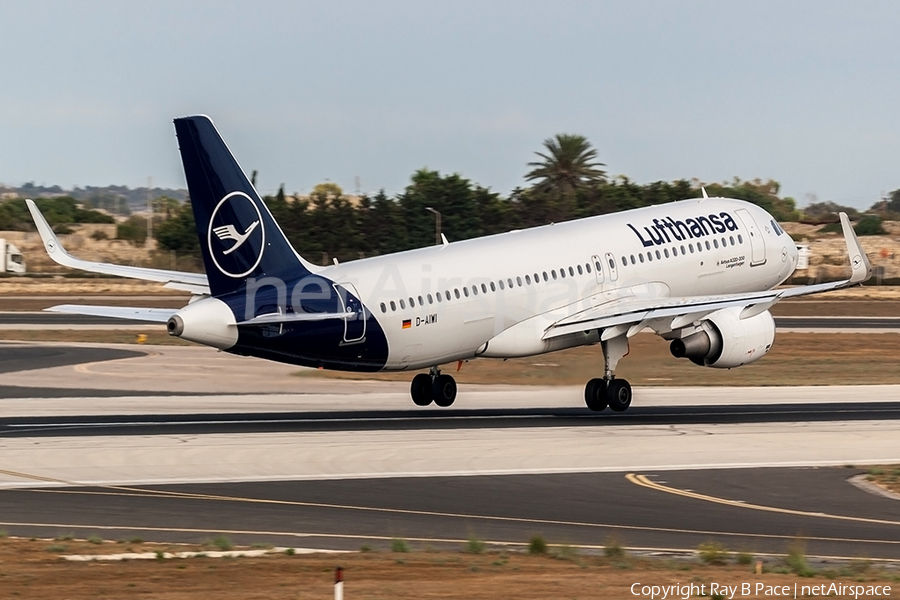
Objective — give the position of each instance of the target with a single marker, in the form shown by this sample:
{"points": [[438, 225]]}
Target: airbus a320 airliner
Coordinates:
{"points": [[701, 273]]}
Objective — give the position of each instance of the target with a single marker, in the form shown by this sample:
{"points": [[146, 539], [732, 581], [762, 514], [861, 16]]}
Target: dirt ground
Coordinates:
{"points": [[35, 569]]}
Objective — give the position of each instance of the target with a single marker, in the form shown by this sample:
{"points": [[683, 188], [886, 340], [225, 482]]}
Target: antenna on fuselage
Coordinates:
{"points": [[703, 189]]}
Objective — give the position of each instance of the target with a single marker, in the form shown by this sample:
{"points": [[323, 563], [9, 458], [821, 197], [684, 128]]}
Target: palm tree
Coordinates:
{"points": [[567, 165]]}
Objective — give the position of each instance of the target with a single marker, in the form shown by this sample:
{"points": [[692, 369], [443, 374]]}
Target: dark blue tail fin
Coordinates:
{"points": [[238, 236]]}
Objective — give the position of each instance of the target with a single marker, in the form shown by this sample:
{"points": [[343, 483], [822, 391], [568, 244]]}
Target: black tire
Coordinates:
{"points": [[618, 395], [443, 390], [420, 389], [595, 394]]}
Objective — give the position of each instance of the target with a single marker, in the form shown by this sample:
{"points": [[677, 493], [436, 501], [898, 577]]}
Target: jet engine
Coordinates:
{"points": [[209, 321], [724, 340]]}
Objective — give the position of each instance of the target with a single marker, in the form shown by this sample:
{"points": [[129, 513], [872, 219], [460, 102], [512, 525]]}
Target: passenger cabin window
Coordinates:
{"points": [[580, 272], [493, 288], [402, 304], [383, 307], [430, 299], [393, 306]]}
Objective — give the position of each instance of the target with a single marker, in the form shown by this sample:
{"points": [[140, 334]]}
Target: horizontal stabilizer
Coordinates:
{"points": [[153, 315], [276, 318]]}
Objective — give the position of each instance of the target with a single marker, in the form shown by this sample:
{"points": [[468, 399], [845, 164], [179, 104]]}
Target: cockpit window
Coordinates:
{"points": [[777, 227]]}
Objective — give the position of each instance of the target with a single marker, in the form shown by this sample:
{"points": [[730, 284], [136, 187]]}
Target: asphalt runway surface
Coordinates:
{"points": [[425, 419], [754, 510], [761, 510]]}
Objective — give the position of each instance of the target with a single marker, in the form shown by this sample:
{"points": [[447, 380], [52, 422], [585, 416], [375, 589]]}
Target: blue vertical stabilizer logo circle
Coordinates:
{"points": [[236, 237]]}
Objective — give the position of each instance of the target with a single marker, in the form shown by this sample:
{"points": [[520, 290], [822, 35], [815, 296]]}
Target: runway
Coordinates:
{"points": [[331, 464]]}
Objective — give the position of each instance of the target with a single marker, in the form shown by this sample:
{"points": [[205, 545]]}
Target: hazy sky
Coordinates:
{"points": [[804, 92]]}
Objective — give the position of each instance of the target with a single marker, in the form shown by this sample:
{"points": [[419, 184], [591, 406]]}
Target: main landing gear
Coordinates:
{"points": [[432, 386], [609, 391]]}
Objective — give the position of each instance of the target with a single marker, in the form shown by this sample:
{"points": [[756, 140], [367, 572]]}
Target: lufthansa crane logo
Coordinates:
{"points": [[236, 238]]}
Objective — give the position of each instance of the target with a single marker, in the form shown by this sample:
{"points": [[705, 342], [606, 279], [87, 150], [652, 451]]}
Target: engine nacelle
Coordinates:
{"points": [[208, 321], [725, 340]]}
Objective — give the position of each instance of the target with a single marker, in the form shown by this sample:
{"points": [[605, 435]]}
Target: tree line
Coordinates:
{"points": [[566, 182]]}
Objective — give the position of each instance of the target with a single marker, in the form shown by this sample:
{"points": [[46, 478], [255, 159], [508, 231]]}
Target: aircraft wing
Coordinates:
{"points": [[196, 283], [153, 315], [629, 315]]}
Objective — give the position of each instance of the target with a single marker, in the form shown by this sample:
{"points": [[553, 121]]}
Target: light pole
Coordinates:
{"points": [[437, 225]]}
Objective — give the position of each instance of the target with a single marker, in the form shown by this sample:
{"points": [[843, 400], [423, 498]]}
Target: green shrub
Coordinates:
{"points": [[474, 546], [745, 558], [399, 545], [365, 548], [222, 543], [713, 553], [290, 552], [537, 545], [869, 225], [796, 559], [613, 548], [95, 539]]}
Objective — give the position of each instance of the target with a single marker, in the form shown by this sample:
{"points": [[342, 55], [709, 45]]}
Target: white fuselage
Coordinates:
{"points": [[504, 290]]}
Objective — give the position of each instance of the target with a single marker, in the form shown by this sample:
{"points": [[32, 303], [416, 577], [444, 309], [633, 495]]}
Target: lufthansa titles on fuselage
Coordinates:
{"points": [[667, 229]]}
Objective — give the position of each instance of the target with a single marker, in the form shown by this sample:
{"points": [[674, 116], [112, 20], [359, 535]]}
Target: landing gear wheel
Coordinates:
{"points": [[420, 390], [595, 394], [618, 394], [443, 390]]}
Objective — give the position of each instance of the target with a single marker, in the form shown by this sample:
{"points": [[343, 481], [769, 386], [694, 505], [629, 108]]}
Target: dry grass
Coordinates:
{"points": [[29, 570], [886, 476]]}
